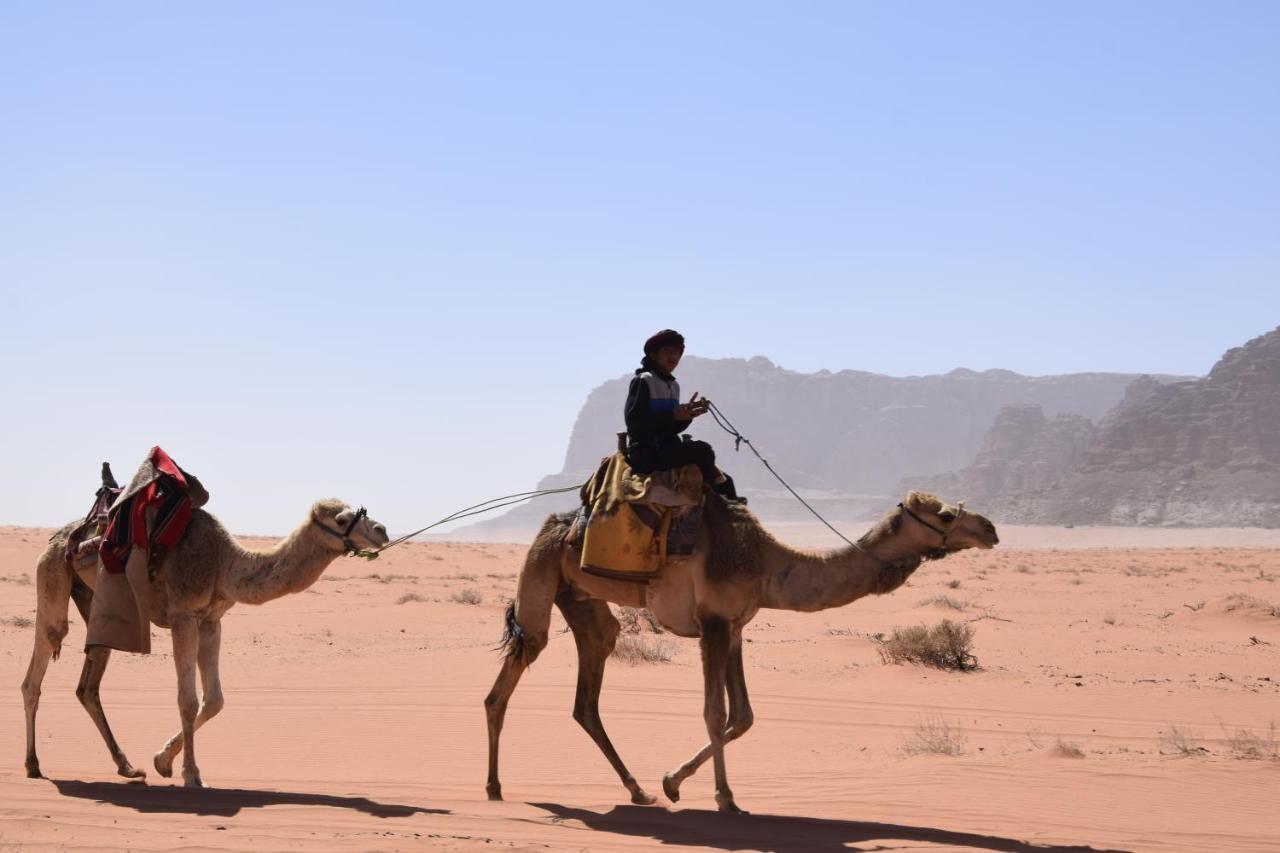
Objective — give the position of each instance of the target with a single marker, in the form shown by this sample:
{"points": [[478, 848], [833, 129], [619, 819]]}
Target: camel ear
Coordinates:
{"points": [[344, 517]]}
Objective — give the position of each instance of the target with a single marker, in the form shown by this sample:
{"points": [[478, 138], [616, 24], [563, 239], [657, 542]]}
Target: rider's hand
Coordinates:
{"points": [[685, 412]]}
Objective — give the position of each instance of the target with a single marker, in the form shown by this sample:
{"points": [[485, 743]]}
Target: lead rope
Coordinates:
{"points": [[739, 439], [477, 509]]}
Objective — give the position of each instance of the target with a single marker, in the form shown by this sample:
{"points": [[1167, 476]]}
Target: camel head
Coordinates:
{"points": [[938, 528], [348, 529]]}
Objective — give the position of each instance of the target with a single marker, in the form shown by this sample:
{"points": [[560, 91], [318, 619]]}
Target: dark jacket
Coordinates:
{"points": [[650, 410]]}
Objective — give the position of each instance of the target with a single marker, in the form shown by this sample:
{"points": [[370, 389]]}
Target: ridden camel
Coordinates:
{"points": [[193, 586], [736, 569]]}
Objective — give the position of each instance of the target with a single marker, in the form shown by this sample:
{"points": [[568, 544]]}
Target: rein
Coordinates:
{"points": [[938, 530], [348, 546]]}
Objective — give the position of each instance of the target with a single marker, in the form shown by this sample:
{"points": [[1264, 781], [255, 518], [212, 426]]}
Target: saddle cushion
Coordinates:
{"points": [[630, 524]]}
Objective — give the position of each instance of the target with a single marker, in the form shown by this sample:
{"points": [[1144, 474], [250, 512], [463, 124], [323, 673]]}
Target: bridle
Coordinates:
{"points": [[347, 545], [938, 530]]}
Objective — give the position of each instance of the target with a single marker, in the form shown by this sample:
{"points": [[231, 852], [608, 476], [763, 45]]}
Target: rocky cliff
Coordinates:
{"points": [[1198, 453]]}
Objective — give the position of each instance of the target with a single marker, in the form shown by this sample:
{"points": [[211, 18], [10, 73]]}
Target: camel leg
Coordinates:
{"points": [[53, 584], [87, 691], [211, 702], [740, 720], [186, 648], [595, 630], [715, 644], [528, 625]]}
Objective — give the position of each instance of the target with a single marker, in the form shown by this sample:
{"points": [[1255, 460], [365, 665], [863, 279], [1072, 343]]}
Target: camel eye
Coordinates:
{"points": [[947, 516]]}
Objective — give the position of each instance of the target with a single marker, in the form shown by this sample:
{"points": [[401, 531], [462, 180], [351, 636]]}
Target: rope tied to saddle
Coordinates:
{"points": [[739, 439]]}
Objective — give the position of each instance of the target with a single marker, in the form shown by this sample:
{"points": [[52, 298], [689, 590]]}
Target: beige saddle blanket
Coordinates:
{"points": [[631, 524]]}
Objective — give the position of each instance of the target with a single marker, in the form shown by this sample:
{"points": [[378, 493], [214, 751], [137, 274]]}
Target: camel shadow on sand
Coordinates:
{"points": [[222, 802], [780, 834]]}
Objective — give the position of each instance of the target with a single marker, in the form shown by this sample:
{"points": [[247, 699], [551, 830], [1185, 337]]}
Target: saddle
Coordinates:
{"points": [[140, 522], [630, 526]]}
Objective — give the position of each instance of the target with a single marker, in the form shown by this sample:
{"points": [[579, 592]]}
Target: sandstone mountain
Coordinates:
{"points": [[845, 439], [1198, 453]]}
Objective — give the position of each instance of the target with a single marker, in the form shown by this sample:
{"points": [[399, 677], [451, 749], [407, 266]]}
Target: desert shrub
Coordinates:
{"points": [[637, 620], [946, 601], [1181, 742], [410, 596], [467, 596], [1240, 601], [637, 649], [1068, 749], [17, 621], [1246, 745], [934, 736], [954, 583], [947, 645]]}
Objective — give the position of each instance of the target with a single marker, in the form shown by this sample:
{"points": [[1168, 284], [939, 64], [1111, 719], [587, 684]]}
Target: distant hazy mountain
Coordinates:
{"points": [[1193, 454], [845, 439]]}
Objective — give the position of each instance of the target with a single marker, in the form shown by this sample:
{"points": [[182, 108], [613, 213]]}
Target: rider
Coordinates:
{"points": [[656, 417]]}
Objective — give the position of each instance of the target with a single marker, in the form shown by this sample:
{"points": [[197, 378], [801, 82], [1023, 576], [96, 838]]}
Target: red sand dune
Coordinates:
{"points": [[354, 722]]}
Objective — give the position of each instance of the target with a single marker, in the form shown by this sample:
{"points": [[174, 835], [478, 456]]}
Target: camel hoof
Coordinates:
{"points": [[164, 764], [193, 782], [671, 787], [494, 792], [128, 771], [728, 806], [642, 798]]}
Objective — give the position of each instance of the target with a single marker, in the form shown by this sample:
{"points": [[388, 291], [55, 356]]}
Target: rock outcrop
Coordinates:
{"points": [[1199, 453]]}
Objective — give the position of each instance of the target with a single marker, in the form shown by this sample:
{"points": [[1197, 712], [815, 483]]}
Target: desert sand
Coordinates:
{"points": [[1117, 670]]}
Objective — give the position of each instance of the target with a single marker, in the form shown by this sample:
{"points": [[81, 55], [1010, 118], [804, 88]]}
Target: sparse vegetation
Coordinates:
{"points": [[410, 596], [954, 583], [947, 645], [467, 596], [1068, 749], [17, 621], [637, 620], [946, 601], [934, 736], [1181, 742], [1239, 601], [1248, 746], [637, 649], [390, 578]]}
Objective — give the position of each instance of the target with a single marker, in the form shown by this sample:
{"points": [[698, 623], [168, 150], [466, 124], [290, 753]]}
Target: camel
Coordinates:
{"points": [[736, 569], [193, 586]]}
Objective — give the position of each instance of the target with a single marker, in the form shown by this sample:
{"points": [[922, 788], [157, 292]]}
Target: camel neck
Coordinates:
{"points": [[808, 582], [292, 566]]}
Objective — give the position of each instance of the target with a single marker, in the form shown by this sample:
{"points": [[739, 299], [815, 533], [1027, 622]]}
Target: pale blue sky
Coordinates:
{"points": [[383, 250]]}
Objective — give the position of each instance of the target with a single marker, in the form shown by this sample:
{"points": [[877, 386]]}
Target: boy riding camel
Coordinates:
{"points": [[656, 417]]}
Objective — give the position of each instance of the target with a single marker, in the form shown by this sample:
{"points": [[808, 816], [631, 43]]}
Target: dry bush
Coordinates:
{"points": [[1068, 749], [1246, 745], [390, 578], [947, 645], [953, 583], [1240, 601], [637, 649], [934, 736], [467, 596], [17, 622], [946, 601], [638, 620], [1181, 742], [410, 596]]}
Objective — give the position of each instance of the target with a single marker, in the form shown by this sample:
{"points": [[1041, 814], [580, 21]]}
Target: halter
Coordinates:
{"points": [[938, 530], [347, 545]]}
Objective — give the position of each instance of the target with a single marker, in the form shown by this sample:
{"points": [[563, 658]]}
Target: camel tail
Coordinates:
{"points": [[512, 644]]}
